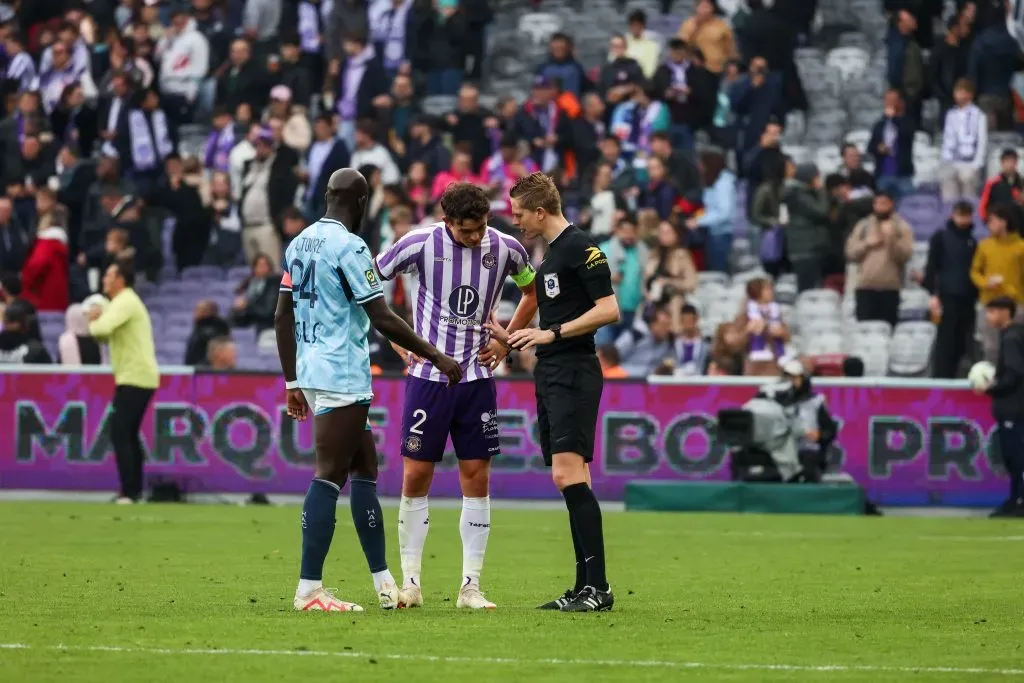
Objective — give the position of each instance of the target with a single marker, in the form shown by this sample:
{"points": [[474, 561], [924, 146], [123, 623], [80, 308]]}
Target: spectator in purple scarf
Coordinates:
{"points": [[220, 142]]}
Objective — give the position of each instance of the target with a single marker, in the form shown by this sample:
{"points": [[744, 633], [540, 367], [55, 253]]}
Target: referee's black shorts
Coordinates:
{"points": [[568, 397]]}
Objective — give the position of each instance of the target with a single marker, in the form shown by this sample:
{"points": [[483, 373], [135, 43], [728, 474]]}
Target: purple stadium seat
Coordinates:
{"points": [[178, 320], [203, 273], [238, 273]]}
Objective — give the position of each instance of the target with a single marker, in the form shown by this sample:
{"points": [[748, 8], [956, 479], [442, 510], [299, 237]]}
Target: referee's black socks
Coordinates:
{"points": [[585, 517]]}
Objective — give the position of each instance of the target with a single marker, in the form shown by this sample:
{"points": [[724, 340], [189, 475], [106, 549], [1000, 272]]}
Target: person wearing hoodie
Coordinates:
{"points": [[880, 245], [947, 277], [184, 62], [75, 346], [998, 269], [17, 345], [45, 275], [807, 230], [1005, 188]]}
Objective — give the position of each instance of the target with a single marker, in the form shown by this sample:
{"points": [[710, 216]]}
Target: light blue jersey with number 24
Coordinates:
{"points": [[330, 274]]}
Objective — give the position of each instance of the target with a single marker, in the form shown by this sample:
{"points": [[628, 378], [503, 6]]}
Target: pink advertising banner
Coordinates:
{"points": [[926, 445]]}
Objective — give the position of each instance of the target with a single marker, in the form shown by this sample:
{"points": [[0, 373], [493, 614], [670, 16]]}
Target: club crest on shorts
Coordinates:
{"points": [[490, 260], [413, 444], [551, 287]]}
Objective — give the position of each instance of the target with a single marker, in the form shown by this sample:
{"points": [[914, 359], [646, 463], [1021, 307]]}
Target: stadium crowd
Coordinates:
{"points": [[199, 135]]}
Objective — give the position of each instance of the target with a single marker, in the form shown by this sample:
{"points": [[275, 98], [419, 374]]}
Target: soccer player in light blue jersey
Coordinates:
{"points": [[330, 295]]}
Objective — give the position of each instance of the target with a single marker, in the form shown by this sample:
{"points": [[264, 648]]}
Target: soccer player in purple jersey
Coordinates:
{"points": [[462, 264]]}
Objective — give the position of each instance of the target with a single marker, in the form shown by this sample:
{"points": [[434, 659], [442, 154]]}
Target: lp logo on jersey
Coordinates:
{"points": [[551, 287], [464, 301], [371, 279]]}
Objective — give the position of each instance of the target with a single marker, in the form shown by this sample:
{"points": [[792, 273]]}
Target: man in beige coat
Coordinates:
{"points": [[880, 245]]}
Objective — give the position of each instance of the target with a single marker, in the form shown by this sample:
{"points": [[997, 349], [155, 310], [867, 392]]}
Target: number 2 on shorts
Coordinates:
{"points": [[420, 416]]}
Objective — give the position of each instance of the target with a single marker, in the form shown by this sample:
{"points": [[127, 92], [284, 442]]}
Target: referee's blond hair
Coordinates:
{"points": [[537, 191]]}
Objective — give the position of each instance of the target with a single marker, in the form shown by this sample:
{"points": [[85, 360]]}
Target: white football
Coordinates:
{"points": [[96, 300], [981, 374]]}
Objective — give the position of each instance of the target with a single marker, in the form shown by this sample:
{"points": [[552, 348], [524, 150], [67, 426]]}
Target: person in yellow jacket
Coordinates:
{"points": [[125, 326], [998, 269]]}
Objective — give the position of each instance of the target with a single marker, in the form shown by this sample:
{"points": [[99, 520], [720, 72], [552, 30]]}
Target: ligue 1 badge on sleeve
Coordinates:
{"points": [[490, 261], [413, 444]]}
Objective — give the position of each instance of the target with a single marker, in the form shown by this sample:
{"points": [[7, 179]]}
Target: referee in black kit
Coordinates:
{"points": [[576, 299], [1007, 392]]}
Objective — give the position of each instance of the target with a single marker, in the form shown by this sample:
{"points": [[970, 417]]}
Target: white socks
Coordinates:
{"points": [[474, 527], [382, 577], [307, 586], [413, 525]]}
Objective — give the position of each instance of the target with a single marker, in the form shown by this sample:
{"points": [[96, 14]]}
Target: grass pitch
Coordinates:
{"points": [[176, 593]]}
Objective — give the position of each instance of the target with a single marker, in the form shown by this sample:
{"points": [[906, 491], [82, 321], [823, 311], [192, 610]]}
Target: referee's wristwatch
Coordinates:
{"points": [[557, 330]]}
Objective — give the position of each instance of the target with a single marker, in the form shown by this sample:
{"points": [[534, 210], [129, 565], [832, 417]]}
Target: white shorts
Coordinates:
{"points": [[324, 401]]}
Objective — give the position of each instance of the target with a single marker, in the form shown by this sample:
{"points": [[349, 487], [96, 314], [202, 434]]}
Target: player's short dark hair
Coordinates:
{"points": [[537, 191], [963, 207], [126, 269], [689, 309], [464, 201], [638, 15], [661, 135], [846, 146], [1009, 153], [559, 35], [1003, 303]]}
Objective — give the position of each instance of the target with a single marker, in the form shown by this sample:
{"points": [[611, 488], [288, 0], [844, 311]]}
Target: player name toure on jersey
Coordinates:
{"points": [[459, 287], [331, 276]]}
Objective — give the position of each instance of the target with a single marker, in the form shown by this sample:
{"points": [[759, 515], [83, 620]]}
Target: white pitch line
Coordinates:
{"points": [[645, 663]]}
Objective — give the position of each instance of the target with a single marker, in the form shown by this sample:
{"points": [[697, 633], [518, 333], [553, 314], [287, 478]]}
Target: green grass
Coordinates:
{"points": [[894, 594]]}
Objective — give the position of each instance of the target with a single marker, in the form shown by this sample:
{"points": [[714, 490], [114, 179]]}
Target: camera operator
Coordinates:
{"points": [[815, 426]]}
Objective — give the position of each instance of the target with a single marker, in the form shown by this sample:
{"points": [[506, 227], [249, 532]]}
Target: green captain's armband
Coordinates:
{"points": [[525, 276]]}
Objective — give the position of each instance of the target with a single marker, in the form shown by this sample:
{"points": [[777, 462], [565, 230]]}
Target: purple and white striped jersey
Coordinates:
{"points": [[458, 289]]}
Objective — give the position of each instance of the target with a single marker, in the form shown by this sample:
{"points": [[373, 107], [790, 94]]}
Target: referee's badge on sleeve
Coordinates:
{"points": [[551, 287]]}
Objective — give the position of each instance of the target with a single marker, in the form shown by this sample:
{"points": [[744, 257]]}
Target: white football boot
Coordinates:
{"points": [[389, 595], [470, 597], [324, 600], [410, 596]]}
